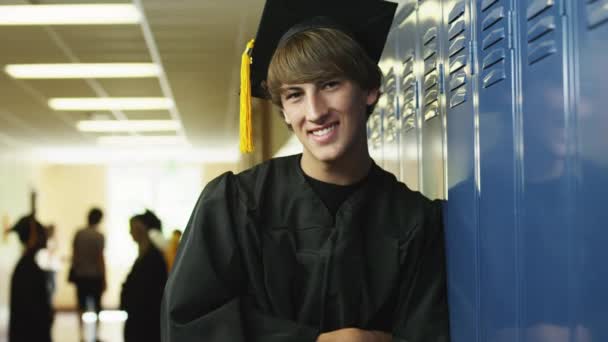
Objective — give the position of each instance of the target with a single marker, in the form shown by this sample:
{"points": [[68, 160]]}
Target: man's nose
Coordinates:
{"points": [[317, 107]]}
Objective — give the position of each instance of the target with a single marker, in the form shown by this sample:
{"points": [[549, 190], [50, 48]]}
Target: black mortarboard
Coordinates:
{"points": [[367, 21], [30, 231]]}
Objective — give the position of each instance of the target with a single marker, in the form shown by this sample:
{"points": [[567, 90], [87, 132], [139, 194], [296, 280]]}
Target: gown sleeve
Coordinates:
{"points": [[204, 298], [422, 309]]}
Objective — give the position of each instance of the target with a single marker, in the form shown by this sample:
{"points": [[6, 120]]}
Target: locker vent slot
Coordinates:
{"points": [[430, 72], [374, 129], [492, 37], [493, 45], [409, 122], [458, 80], [408, 84], [492, 58], [430, 64], [494, 75], [458, 55], [541, 30], [492, 18], [536, 7], [430, 80], [390, 117], [459, 96], [485, 4], [457, 45], [431, 111], [597, 13]]}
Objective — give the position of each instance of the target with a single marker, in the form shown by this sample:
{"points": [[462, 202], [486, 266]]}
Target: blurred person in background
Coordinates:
{"points": [[49, 260], [31, 312], [88, 271], [172, 246], [143, 289], [155, 229]]}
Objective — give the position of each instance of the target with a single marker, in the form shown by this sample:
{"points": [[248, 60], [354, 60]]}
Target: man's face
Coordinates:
{"points": [[328, 117]]}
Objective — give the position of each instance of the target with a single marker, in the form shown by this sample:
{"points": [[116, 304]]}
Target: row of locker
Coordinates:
{"points": [[497, 106]]}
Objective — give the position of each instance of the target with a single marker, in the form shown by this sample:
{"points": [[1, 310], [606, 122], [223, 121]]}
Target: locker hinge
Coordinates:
{"points": [[473, 57], [441, 79], [416, 95], [511, 29], [562, 7]]}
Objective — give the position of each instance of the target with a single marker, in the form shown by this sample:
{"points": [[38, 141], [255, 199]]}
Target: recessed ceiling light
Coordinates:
{"points": [[63, 14], [127, 125], [82, 70], [110, 103], [116, 140]]}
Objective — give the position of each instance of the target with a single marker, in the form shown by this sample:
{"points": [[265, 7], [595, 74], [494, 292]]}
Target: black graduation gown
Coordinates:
{"points": [[31, 314], [262, 259], [141, 297]]}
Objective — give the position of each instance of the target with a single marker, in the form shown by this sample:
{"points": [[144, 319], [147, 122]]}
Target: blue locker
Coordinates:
{"points": [[374, 135], [390, 105], [409, 108], [498, 230], [461, 211], [432, 132], [516, 90], [590, 176], [545, 252]]}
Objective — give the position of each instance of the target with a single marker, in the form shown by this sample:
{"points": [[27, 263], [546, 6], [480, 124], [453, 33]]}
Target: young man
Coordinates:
{"points": [[322, 246]]}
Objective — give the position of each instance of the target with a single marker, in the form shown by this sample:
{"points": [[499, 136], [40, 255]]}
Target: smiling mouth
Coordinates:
{"points": [[324, 131]]}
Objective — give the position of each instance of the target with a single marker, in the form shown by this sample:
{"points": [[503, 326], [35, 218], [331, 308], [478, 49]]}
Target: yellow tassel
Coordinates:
{"points": [[246, 136]]}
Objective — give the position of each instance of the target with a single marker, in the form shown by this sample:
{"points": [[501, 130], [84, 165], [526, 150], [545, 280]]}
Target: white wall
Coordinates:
{"points": [[17, 178]]}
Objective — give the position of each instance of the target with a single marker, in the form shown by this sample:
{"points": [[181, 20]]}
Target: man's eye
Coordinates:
{"points": [[292, 96], [330, 84]]}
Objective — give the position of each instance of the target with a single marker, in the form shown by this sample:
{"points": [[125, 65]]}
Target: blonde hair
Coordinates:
{"points": [[317, 55]]}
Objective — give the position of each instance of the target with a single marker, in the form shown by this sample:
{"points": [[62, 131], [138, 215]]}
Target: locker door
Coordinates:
{"points": [[591, 171], [461, 214], [432, 151], [497, 224], [544, 250], [374, 135], [408, 99], [389, 103]]}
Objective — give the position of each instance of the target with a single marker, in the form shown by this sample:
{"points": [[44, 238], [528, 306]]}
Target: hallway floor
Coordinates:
{"points": [[65, 329]]}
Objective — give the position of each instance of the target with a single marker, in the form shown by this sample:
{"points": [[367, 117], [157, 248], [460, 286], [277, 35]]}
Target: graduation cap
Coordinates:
{"points": [[30, 232], [366, 21]]}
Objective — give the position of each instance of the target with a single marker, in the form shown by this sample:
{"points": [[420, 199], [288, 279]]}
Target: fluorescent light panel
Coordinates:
{"points": [[82, 70], [141, 140], [127, 125], [110, 103], [63, 14]]}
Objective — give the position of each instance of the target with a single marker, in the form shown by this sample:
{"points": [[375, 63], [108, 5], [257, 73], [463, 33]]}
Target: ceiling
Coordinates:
{"points": [[197, 42]]}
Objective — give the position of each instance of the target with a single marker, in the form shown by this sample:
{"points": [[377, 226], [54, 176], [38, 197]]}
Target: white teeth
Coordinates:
{"points": [[324, 131]]}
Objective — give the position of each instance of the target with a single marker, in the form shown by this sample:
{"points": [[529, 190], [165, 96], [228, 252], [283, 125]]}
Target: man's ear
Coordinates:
{"points": [[372, 96]]}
